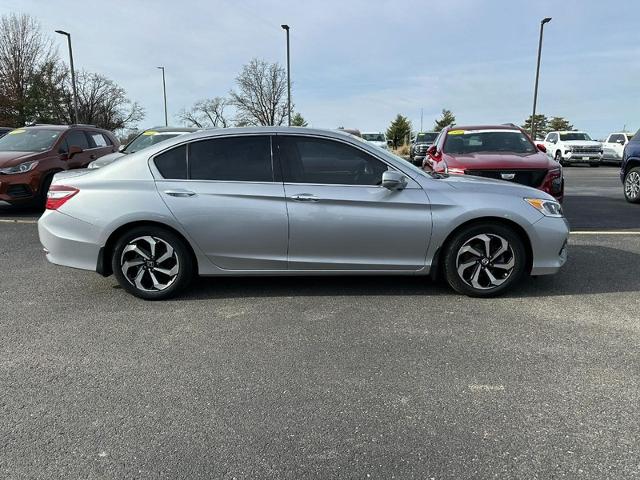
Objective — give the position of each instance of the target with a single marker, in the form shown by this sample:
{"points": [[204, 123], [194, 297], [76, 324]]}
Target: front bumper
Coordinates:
{"points": [[577, 157], [68, 241], [549, 238], [18, 188]]}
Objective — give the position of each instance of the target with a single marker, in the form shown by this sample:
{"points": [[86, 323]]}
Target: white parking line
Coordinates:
{"points": [[16, 220], [606, 232]]}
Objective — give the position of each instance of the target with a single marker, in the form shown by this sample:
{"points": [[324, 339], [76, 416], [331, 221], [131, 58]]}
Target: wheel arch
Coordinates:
{"points": [[437, 264], [104, 256], [631, 163]]}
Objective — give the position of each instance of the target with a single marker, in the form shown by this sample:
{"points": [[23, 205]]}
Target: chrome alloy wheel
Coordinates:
{"points": [[149, 263], [632, 185], [485, 261]]}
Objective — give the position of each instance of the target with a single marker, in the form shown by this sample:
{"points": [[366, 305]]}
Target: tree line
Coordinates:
{"points": [[36, 83]]}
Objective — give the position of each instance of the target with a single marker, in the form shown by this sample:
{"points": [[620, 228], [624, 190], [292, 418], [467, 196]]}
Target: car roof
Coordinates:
{"points": [[172, 129], [501, 126], [44, 126]]}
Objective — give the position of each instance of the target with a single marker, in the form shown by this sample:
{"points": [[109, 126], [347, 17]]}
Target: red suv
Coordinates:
{"points": [[503, 152], [30, 156]]}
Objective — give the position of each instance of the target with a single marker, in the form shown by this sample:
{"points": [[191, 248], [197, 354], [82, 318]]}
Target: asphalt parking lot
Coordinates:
{"points": [[328, 377]]}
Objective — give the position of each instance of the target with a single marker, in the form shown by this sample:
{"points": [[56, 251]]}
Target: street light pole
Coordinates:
{"points": [[164, 91], [535, 91], [73, 75], [286, 27]]}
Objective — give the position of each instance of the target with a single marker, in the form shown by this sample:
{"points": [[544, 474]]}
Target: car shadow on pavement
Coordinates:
{"points": [[591, 269], [10, 212]]}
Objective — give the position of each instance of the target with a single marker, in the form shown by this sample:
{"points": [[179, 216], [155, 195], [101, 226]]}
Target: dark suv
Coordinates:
{"points": [[30, 156], [420, 145], [630, 169]]}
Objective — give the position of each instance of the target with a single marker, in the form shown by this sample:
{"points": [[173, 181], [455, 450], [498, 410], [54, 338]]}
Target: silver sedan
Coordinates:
{"points": [[295, 201]]}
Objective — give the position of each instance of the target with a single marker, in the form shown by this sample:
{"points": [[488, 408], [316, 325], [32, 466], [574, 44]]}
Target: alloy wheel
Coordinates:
{"points": [[485, 261], [632, 185], [149, 263]]}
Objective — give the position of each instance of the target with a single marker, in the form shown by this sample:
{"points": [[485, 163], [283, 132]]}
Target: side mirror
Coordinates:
{"points": [[394, 180], [74, 150], [621, 142], [121, 148], [541, 147]]}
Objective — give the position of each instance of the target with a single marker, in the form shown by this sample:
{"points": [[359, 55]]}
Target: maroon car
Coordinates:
{"points": [[503, 152]]}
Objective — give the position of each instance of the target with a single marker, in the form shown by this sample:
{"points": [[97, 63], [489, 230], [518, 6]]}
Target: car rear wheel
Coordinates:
{"points": [[484, 260], [152, 263], [632, 185]]}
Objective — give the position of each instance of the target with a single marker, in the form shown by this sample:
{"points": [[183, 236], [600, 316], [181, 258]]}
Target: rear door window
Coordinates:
{"points": [[242, 158]]}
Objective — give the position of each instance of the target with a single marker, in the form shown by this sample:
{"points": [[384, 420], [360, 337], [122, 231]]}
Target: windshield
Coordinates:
{"points": [[427, 137], [146, 139], [29, 140], [574, 136], [479, 141], [373, 137]]}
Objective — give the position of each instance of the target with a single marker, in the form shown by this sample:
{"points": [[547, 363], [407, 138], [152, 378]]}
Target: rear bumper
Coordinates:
{"points": [[68, 241], [549, 245]]}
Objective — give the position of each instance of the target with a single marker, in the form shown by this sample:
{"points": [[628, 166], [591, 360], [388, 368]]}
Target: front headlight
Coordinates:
{"points": [[21, 168], [548, 208]]}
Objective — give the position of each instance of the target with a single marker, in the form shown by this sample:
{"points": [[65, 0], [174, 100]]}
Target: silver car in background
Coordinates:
{"points": [[144, 139], [295, 201]]}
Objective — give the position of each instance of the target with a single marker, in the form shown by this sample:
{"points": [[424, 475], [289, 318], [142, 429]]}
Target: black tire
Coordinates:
{"points": [[630, 193], [180, 259], [558, 158], [41, 198], [495, 233]]}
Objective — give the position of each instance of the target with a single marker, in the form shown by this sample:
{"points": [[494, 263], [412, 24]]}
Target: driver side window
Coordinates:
{"points": [[324, 161]]}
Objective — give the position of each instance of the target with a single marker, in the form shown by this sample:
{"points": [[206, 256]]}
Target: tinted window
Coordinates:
{"points": [[245, 158], [314, 160], [148, 138], [172, 164], [574, 136], [77, 138], [426, 137]]}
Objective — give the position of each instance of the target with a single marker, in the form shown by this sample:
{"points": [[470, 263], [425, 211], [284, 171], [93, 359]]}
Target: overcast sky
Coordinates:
{"points": [[358, 63]]}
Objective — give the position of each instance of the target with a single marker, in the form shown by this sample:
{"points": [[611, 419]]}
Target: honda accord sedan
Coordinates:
{"points": [[295, 201]]}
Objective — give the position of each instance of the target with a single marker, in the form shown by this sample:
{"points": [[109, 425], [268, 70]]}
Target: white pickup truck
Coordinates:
{"points": [[613, 147], [573, 147]]}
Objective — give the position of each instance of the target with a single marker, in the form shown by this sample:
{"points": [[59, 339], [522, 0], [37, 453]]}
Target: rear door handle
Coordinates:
{"points": [[180, 193], [304, 197]]}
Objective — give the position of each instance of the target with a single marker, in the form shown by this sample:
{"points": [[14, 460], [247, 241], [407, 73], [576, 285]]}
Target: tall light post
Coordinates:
{"points": [[164, 91], [286, 28], [73, 75], [535, 91]]}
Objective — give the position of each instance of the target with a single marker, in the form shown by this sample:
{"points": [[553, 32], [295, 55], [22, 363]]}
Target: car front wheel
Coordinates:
{"points": [[632, 185], [152, 263], [484, 260]]}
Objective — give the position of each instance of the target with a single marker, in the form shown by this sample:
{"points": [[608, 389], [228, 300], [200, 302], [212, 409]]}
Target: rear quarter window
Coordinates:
{"points": [[172, 164]]}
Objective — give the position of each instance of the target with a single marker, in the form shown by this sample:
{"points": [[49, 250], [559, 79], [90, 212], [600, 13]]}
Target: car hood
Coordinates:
{"points": [[490, 185], [107, 159], [499, 161], [10, 159]]}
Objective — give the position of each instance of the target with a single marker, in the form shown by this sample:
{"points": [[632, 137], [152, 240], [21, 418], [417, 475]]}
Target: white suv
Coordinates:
{"points": [[376, 138], [573, 147], [613, 147]]}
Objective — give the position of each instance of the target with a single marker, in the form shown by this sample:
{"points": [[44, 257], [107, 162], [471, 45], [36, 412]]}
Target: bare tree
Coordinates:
{"points": [[260, 98], [101, 102], [27, 57], [207, 113]]}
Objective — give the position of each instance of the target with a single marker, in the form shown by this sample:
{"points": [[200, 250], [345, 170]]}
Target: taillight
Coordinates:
{"points": [[58, 195]]}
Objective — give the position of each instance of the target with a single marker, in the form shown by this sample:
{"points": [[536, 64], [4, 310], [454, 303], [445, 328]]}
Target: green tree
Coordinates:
{"points": [[399, 131], [541, 125], [559, 124], [298, 121], [447, 118]]}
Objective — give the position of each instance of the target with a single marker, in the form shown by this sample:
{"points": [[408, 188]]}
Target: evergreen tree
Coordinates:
{"points": [[541, 125], [559, 124], [447, 118], [298, 121], [399, 131]]}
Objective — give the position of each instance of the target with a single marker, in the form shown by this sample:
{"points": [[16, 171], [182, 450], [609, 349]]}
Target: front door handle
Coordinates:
{"points": [[304, 197], [180, 193]]}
